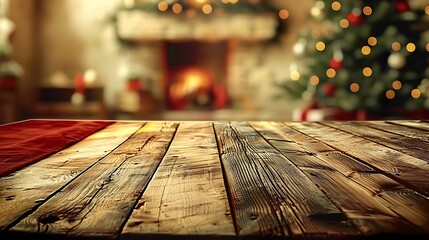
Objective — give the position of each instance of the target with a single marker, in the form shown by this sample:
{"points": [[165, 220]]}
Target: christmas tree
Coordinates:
{"points": [[364, 55]]}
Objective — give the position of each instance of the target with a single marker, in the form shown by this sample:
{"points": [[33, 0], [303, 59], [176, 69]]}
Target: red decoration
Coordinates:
{"points": [[304, 113], [402, 6], [355, 18], [336, 64], [134, 85], [329, 89], [220, 97], [8, 83], [79, 83]]}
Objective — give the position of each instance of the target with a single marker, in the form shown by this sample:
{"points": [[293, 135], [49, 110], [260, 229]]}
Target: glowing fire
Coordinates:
{"points": [[192, 86]]}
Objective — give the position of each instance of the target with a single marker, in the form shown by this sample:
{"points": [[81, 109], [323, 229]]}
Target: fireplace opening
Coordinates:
{"points": [[195, 75]]}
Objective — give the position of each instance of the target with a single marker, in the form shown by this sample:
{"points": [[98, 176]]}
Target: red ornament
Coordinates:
{"points": [[79, 83], [402, 6], [355, 18], [336, 64], [134, 85], [329, 89]]}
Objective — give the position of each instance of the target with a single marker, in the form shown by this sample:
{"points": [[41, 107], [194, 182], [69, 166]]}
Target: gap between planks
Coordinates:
{"points": [[97, 203], [186, 197], [327, 168], [29, 188]]}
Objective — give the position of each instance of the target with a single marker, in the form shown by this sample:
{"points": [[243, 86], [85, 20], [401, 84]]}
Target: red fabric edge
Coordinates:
{"points": [[24, 143]]}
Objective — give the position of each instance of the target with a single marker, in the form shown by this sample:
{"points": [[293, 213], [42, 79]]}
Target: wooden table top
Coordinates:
{"points": [[227, 179]]}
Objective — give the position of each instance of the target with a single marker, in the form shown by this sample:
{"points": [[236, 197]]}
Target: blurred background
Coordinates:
{"points": [[214, 59]]}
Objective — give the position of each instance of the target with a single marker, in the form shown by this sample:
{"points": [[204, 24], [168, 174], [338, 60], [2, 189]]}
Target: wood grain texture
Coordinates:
{"points": [[186, 196], [339, 176], [368, 211], [419, 125], [270, 195], [28, 188], [409, 146], [400, 130], [298, 146], [98, 202], [410, 171], [227, 180]]}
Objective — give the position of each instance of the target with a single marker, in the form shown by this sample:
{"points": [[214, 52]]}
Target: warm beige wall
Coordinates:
{"points": [[22, 14], [75, 37]]}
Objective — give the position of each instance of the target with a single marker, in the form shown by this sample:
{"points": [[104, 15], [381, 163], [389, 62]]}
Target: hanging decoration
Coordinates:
{"points": [[337, 61], [194, 19], [402, 6], [355, 17]]}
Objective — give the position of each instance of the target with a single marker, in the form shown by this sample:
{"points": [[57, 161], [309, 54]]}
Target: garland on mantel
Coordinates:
{"points": [[240, 7], [218, 8]]}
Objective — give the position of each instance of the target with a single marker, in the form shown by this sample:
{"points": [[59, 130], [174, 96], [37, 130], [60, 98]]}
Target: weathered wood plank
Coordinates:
{"points": [[408, 170], [270, 195], [26, 189], [98, 202], [186, 196], [361, 205], [369, 189], [406, 202], [410, 146], [398, 130], [419, 125], [296, 145]]}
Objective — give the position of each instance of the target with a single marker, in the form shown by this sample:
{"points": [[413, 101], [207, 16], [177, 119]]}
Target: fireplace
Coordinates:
{"points": [[195, 74]]}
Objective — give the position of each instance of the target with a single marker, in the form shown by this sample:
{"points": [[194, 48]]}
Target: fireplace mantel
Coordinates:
{"points": [[137, 25]]}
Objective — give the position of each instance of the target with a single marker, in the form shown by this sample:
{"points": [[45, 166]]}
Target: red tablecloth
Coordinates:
{"points": [[24, 143]]}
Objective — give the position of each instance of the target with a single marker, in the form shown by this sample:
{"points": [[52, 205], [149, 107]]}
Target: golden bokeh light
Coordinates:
{"points": [[314, 80], [207, 8], [336, 6], [366, 50], [367, 10], [367, 72], [427, 47], [331, 73], [320, 46], [415, 93], [427, 10], [284, 14], [396, 46], [411, 47], [177, 8], [344, 23], [162, 6], [294, 75], [372, 41], [354, 87], [397, 85], [390, 94], [233, 1]]}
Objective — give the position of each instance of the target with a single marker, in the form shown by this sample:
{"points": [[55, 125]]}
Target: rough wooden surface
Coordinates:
{"points": [[270, 195], [227, 180], [28, 188], [97, 202], [187, 195]]}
